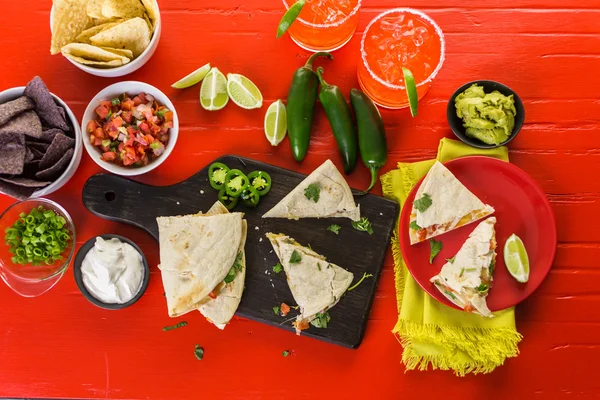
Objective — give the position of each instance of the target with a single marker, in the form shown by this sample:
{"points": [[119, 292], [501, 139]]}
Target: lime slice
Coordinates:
{"points": [[243, 92], [411, 91], [289, 17], [213, 92], [193, 78], [276, 123], [515, 258]]}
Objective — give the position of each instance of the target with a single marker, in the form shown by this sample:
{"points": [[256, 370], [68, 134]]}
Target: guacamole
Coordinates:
{"points": [[489, 117]]}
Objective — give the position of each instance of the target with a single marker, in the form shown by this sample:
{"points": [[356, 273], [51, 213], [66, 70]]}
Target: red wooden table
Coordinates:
{"points": [[59, 345]]}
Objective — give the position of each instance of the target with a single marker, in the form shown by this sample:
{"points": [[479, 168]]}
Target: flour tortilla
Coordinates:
{"points": [[335, 197], [452, 205], [461, 277], [316, 284], [220, 310], [196, 253]]}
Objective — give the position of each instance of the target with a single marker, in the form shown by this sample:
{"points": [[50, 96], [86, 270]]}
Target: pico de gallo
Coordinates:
{"points": [[131, 131]]}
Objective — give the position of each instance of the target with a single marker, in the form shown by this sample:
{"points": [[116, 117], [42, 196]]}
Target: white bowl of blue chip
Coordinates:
{"points": [[40, 141]]}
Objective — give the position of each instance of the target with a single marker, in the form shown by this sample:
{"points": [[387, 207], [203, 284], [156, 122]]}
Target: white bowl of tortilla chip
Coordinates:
{"points": [[76, 54], [132, 88]]}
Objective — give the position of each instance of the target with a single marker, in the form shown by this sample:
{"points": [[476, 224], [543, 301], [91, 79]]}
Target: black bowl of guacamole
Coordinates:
{"points": [[491, 114]]}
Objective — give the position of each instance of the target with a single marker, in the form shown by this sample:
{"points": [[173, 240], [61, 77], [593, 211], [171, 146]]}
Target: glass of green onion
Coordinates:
{"points": [[39, 238]]}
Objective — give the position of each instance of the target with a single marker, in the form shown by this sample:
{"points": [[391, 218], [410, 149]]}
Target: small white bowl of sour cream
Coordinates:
{"points": [[111, 271]]}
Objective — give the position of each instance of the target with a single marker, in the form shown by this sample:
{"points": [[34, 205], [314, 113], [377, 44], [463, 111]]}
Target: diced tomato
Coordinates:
{"points": [[144, 127], [212, 295], [149, 138], [285, 309], [129, 141], [168, 125], [137, 101], [91, 126], [127, 105], [117, 121], [469, 308], [99, 133], [155, 129], [142, 97], [168, 116], [121, 147], [97, 142], [164, 138], [111, 130], [102, 111], [301, 325], [109, 156], [127, 116], [105, 148]]}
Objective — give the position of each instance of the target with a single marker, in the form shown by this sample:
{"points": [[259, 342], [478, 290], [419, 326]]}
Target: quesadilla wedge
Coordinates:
{"points": [[466, 279], [220, 306], [196, 253], [322, 194], [316, 284], [443, 203]]}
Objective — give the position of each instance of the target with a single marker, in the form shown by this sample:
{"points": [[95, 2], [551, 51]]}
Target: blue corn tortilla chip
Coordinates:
{"points": [[37, 154], [38, 146], [47, 135], [57, 149], [12, 154], [15, 191], [13, 108], [45, 106], [25, 182], [26, 123], [56, 170]]}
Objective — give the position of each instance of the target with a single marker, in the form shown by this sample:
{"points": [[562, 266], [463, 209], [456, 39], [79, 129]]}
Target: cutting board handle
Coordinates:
{"points": [[114, 198]]}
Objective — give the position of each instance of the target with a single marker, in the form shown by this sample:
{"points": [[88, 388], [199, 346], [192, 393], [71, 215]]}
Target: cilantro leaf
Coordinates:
{"points": [[451, 260], [313, 192], [482, 288], [365, 276], [423, 203], [277, 268], [364, 225], [334, 228], [285, 353], [321, 320], [319, 266], [436, 247], [276, 310], [237, 266], [199, 352], [295, 258], [413, 225]]}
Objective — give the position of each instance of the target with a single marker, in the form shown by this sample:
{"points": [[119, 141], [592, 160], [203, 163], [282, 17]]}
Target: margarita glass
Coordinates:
{"points": [[324, 25], [401, 37]]}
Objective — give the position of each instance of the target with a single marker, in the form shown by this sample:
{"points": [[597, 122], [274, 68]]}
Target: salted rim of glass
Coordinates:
{"points": [[354, 11], [438, 30], [65, 214]]}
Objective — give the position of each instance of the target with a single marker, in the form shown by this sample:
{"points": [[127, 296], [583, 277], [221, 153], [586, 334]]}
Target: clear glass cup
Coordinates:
{"points": [[397, 38], [28, 280], [324, 25]]}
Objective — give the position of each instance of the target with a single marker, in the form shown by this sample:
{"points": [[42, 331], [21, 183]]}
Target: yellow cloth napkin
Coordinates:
{"points": [[430, 332]]}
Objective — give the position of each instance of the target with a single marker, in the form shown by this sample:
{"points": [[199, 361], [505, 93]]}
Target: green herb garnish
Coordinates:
{"points": [[365, 276], [295, 258], [364, 225], [492, 267], [313, 192], [413, 225], [319, 266], [277, 268], [334, 228], [423, 203], [462, 271], [482, 288], [176, 326], [451, 260], [276, 310], [237, 266], [199, 352], [436, 247], [285, 353], [321, 320]]}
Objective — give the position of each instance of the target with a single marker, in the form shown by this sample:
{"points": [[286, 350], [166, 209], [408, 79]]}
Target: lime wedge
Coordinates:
{"points": [[193, 78], [243, 92], [411, 91], [289, 17], [213, 92], [515, 258], [276, 123]]}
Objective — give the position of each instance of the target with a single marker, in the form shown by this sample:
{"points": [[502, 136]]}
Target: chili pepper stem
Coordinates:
{"points": [[311, 59], [320, 72], [374, 171]]}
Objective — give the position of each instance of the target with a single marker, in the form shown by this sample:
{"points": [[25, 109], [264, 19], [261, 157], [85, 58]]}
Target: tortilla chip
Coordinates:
{"points": [[55, 171], [46, 107], [12, 154], [122, 9], [57, 149], [91, 53], [15, 107], [152, 11], [37, 154], [99, 64], [84, 37], [15, 191], [47, 135], [121, 52], [147, 19], [70, 19], [132, 34], [42, 147], [27, 123], [25, 182], [94, 8]]}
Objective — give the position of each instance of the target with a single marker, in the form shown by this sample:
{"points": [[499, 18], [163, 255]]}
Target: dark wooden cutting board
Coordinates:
{"points": [[118, 199]]}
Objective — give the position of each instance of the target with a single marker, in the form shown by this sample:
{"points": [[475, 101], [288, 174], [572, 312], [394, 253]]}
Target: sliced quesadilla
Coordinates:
{"points": [[323, 194], [466, 279], [316, 284], [443, 203], [222, 303], [196, 253]]}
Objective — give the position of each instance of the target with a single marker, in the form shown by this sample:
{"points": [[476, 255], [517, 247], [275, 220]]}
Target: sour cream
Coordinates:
{"points": [[113, 271]]}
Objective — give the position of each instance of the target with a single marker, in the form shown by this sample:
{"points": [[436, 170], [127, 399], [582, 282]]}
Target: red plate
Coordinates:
{"points": [[521, 207]]}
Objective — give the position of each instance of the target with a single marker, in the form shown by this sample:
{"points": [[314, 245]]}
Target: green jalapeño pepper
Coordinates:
{"points": [[340, 118], [261, 181], [250, 197], [235, 182], [301, 101], [371, 134], [228, 201], [216, 175]]}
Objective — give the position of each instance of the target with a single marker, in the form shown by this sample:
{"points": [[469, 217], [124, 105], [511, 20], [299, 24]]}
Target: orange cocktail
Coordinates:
{"points": [[324, 25], [399, 38]]}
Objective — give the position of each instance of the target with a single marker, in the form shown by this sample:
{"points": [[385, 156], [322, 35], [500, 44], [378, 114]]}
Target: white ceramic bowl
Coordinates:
{"points": [[132, 88], [127, 68], [14, 93]]}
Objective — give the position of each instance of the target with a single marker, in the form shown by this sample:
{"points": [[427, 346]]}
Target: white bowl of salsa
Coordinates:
{"points": [[130, 128]]}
